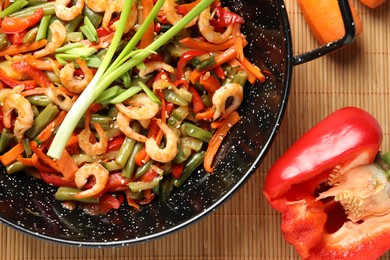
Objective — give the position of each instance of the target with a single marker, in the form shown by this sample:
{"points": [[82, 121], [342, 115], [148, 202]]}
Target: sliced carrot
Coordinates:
{"points": [[372, 3], [67, 166], [11, 155], [238, 41], [140, 157], [253, 69], [147, 38], [206, 46], [51, 127], [251, 77], [74, 139], [205, 115], [17, 49], [25, 161], [217, 139], [42, 64], [39, 166], [43, 157], [325, 21]]}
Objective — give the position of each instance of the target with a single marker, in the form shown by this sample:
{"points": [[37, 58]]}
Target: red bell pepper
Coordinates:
{"points": [[37, 75], [333, 199], [27, 84], [197, 103], [10, 25]]}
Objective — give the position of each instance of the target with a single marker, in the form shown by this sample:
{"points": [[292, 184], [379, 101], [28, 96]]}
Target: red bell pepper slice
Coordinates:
{"points": [[197, 103], [10, 25], [210, 83], [27, 84], [115, 143], [226, 18], [326, 187], [37, 75], [106, 203]]}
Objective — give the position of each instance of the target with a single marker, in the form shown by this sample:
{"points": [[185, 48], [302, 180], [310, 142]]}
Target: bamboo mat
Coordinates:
{"points": [[246, 227]]}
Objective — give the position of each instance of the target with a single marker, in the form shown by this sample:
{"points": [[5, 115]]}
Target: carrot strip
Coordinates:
{"points": [[238, 42], [10, 156], [67, 166], [43, 157], [140, 157], [253, 69], [50, 128], [17, 49], [217, 139], [74, 139], [39, 166], [251, 77], [206, 46], [205, 115], [147, 38], [42, 64], [25, 161]]}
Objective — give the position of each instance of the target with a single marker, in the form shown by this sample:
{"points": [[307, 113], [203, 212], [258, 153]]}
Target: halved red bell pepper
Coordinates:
{"points": [[334, 200], [10, 25]]}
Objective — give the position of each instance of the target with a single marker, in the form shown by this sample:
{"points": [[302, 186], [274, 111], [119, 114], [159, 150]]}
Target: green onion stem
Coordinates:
{"points": [[99, 83]]}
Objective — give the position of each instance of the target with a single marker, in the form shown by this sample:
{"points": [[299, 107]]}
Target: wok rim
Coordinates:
{"points": [[287, 77]]}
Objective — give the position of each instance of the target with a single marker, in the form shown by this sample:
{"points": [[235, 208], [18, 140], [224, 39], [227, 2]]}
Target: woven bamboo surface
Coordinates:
{"points": [[246, 227]]}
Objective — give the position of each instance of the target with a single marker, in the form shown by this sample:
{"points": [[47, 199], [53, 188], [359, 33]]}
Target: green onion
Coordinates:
{"points": [[150, 93], [89, 30], [14, 7], [108, 94], [102, 80], [48, 9], [69, 194], [125, 95]]}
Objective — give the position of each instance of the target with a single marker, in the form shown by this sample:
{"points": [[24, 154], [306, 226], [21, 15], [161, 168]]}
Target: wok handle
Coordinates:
{"points": [[349, 36]]}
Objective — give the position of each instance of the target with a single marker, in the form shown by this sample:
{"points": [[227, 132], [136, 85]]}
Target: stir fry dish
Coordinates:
{"points": [[117, 102]]}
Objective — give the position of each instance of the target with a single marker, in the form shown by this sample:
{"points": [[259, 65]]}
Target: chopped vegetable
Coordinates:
{"points": [[325, 21]]}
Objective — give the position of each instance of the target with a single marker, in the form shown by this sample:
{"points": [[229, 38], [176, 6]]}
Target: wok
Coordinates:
{"points": [[28, 205]]}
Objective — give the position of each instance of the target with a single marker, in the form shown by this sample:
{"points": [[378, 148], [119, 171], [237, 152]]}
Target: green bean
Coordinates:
{"points": [[240, 78], [178, 115], [112, 166], [14, 7], [181, 155], [71, 26], [4, 42], [93, 17], [69, 194], [27, 148], [184, 93], [127, 147], [143, 169], [191, 143], [189, 167], [98, 119], [39, 100], [43, 27], [165, 188], [206, 63], [15, 167], [74, 37], [230, 74], [5, 139], [171, 96], [48, 8], [42, 120], [206, 99], [197, 132], [30, 35], [129, 168], [139, 186]]}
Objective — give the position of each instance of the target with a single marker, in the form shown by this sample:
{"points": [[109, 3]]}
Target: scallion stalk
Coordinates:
{"points": [[102, 80]]}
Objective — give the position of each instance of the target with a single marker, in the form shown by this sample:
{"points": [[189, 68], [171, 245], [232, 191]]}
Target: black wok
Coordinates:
{"points": [[29, 205]]}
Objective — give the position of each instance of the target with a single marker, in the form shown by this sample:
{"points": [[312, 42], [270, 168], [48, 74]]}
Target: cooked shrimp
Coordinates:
{"points": [[96, 5], [75, 84], [131, 21], [25, 118], [139, 107], [220, 96], [97, 148], [170, 150], [112, 7], [208, 31], [58, 37], [153, 66], [168, 10], [59, 98], [68, 13], [123, 122], [101, 175]]}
